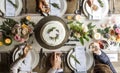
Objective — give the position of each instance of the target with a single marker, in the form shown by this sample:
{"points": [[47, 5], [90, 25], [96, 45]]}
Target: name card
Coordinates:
{"points": [[113, 57]]}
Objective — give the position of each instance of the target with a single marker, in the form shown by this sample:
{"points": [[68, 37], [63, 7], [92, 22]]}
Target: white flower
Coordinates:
{"points": [[97, 36], [85, 28]]}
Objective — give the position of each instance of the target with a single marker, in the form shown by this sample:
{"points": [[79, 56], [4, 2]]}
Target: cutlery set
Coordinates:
{"points": [[79, 7]]}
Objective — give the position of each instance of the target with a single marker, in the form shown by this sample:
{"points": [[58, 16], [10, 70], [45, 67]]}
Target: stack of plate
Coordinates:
{"points": [[34, 57]]}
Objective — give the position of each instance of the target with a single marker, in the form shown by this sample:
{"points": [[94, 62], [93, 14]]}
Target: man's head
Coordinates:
{"points": [[95, 47]]}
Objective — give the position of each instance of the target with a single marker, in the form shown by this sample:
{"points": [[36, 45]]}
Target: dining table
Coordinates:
{"points": [[65, 48]]}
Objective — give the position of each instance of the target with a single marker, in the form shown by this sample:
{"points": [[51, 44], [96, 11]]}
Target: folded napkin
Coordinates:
{"points": [[81, 57], [26, 65], [10, 9]]}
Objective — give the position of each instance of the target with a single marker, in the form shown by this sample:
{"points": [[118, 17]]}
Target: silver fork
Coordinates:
{"points": [[109, 12], [113, 6]]}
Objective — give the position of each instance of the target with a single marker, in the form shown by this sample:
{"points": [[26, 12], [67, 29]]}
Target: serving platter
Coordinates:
{"points": [[59, 28]]}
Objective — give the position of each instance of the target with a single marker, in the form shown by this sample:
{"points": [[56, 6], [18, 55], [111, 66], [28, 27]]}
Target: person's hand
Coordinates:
{"points": [[44, 6], [56, 60], [26, 50], [90, 2]]}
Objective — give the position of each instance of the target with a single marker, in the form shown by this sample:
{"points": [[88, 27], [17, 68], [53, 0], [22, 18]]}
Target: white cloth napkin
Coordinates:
{"points": [[81, 57], [26, 66], [10, 9]]}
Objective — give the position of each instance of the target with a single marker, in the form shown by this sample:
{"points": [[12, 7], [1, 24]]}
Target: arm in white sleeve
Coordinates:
{"points": [[15, 66], [59, 70]]}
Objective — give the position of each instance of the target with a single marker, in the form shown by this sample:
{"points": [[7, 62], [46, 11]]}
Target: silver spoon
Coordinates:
{"points": [[77, 11]]}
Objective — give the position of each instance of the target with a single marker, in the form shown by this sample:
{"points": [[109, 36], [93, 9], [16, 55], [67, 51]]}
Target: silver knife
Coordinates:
{"points": [[41, 55]]}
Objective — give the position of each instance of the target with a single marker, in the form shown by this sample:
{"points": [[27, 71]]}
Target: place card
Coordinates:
{"points": [[10, 9], [113, 57]]}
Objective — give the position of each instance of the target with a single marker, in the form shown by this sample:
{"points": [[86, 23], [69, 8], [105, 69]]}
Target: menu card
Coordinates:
{"points": [[10, 9], [81, 57]]}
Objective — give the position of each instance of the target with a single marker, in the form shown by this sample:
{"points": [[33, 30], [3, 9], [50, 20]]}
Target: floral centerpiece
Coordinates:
{"points": [[81, 31], [111, 33], [18, 31]]}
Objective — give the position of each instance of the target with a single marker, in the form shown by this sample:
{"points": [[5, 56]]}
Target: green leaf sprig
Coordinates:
{"points": [[55, 5], [101, 3], [78, 31], [15, 5], [7, 25], [104, 31], [75, 58], [51, 29]]}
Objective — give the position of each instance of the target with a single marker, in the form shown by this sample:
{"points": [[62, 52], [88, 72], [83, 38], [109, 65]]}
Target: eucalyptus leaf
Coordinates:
{"points": [[15, 5], [55, 5], [90, 26], [51, 29], [75, 58], [81, 40], [107, 29], [86, 38], [70, 22], [101, 3]]}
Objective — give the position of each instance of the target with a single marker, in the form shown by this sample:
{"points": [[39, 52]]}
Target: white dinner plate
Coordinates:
{"points": [[104, 10], [57, 12], [59, 30], [89, 60], [18, 3], [34, 56]]}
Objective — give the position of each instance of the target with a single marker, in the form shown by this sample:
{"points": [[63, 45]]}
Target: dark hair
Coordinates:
{"points": [[102, 68]]}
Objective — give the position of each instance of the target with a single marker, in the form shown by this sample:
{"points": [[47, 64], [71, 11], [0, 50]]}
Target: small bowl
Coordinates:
{"points": [[103, 44]]}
